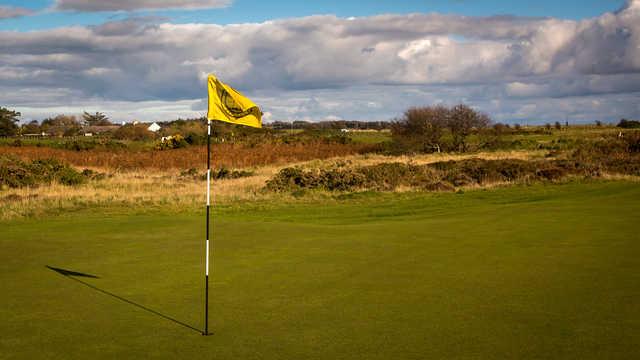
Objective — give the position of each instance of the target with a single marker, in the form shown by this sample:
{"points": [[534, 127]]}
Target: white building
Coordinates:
{"points": [[153, 127]]}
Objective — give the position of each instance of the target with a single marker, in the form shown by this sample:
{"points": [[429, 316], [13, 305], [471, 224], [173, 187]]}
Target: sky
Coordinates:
{"points": [[518, 61]]}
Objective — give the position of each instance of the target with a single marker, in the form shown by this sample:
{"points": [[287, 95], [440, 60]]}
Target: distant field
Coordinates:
{"points": [[521, 272]]}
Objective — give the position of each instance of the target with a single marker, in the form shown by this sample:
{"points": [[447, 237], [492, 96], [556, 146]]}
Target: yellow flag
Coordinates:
{"points": [[227, 104]]}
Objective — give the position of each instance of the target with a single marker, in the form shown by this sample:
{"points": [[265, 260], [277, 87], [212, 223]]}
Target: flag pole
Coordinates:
{"points": [[206, 271]]}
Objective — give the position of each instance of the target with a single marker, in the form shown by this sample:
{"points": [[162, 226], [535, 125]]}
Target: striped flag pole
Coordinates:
{"points": [[206, 270]]}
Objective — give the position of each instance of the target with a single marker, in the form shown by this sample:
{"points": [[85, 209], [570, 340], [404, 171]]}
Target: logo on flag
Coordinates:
{"points": [[229, 105]]}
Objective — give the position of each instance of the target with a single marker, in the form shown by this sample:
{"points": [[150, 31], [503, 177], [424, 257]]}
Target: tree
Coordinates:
{"points": [[61, 125], [8, 122], [462, 121], [97, 119], [421, 128], [137, 132], [31, 128]]}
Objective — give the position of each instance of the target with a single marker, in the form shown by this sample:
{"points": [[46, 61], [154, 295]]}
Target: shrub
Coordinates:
{"points": [[629, 124], [172, 142], [480, 171], [380, 177], [441, 176], [138, 132], [633, 142], [196, 139], [219, 174], [15, 173], [292, 178], [77, 145], [224, 173]]}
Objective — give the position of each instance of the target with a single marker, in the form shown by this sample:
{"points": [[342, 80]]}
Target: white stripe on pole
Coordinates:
{"points": [[207, 266], [208, 186]]}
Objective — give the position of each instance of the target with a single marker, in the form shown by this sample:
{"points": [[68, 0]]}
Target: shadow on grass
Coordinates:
{"points": [[72, 275]]}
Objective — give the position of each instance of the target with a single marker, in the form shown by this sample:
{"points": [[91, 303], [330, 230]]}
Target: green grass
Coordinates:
{"points": [[521, 272], [373, 137]]}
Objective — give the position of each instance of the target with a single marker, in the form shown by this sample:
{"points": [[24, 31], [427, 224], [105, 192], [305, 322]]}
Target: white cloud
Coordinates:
{"points": [[8, 12], [321, 66], [132, 5]]}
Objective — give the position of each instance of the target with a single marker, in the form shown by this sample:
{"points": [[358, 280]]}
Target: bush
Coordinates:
{"points": [[138, 132], [380, 177], [196, 139], [172, 142], [15, 173], [632, 141], [219, 174], [440, 176], [77, 145], [480, 171], [629, 124], [224, 173]]}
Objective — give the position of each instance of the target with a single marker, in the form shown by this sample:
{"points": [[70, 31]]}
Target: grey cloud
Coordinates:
{"points": [[8, 12], [132, 5]]}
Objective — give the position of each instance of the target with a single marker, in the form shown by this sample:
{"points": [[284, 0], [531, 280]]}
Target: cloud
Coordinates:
{"points": [[8, 12], [325, 66], [133, 5]]}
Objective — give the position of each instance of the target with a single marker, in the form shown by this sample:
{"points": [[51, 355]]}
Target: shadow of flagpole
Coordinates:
{"points": [[72, 275]]}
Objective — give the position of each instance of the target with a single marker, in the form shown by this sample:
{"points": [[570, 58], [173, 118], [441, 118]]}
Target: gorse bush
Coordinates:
{"points": [[619, 156], [391, 176], [481, 171], [15, 173], [380, 177], [172, 142], [216, 174], [224, 173]]}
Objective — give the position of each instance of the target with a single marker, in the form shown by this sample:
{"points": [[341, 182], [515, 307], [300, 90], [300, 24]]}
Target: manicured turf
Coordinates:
{"points": [[524, 272]]}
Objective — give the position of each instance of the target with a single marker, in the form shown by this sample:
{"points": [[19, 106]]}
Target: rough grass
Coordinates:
{"points": [[179, 189], [520, 273], [227, 155], [172, 189]]}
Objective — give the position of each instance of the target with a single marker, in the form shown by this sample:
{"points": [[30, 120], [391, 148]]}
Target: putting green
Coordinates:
{"points": [[522, 272]]}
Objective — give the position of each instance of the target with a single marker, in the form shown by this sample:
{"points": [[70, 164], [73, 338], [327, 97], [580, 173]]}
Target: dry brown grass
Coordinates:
{"points": [[227, 155], [422, 159], [167, 189]]}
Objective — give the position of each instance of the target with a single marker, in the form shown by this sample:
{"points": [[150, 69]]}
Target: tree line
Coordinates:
{"points": [[65, 125]]}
